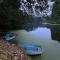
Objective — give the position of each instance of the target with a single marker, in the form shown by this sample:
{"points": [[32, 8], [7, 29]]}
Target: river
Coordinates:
{"points": [[40, 36]]}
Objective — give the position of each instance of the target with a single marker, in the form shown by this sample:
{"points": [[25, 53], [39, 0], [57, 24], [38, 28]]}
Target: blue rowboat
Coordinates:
{"points": [[9, 36], [32, 49]]}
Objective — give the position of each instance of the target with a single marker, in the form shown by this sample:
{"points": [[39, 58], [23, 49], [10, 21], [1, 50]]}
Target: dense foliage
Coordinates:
{"points": [[10, 15], [12, 18], [56, 12]]}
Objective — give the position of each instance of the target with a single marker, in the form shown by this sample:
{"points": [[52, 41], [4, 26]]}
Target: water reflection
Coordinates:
{"points": [[37, 34]]}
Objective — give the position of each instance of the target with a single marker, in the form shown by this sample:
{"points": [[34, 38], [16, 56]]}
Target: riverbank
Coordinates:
{"points": [[11, 52]]}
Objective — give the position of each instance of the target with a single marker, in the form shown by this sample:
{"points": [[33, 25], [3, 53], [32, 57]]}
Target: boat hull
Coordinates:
{"points": [[32, 49]]}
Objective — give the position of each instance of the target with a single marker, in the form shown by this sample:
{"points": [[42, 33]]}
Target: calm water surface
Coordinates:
{"points": [[40, 37]]}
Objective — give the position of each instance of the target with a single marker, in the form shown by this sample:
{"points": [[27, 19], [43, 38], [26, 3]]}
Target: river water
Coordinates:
{"points": [[40, 36]]}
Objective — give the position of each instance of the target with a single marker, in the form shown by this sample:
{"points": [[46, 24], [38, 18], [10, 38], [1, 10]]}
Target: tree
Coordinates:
{"points": [[10, 15]]}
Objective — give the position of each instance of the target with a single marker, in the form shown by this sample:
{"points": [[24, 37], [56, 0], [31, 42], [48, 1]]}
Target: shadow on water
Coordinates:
{"points": [[35, 57], [55, 32]]}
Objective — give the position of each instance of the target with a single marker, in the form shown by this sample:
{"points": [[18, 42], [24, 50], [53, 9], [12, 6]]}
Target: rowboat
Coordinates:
{"points": [[9, 36], [32, 49]]}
